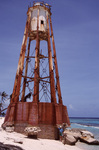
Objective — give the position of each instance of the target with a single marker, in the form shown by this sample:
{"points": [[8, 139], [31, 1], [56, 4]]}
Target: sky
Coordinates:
{"points": [[76, 34]]}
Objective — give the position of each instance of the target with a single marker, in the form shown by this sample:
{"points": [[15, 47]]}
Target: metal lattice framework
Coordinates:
{"points": [[44, 78], [37, 73]]}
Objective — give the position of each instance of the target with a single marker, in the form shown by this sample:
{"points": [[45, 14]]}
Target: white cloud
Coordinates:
{"points": [[71, 107]]}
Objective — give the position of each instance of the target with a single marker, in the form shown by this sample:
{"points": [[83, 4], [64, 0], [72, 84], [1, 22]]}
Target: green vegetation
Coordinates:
{"points": [[3, 98]]}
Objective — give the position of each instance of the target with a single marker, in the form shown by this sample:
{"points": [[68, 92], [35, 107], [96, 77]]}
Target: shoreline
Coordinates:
{"points": [[85, 125], [29, 144]]}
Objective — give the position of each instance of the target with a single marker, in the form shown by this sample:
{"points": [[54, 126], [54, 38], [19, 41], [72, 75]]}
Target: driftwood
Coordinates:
{"points": [[9, 147]]}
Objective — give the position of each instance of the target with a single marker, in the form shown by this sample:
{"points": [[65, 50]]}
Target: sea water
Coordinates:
{"points": [[90, 124]]}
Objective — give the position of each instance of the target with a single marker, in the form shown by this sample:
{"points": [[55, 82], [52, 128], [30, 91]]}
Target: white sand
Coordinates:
{"points": [[31, 144]]}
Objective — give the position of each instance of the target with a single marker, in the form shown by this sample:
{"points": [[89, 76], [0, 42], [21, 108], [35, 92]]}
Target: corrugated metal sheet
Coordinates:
{"points": [[42, 19]]}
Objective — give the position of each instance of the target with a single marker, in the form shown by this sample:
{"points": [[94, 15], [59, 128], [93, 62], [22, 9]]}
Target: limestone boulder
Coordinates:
{"points": [[87, 133], [69, 139], [9, 129], [32, 130], [89, 140], [7, 124], [71, 136], [76, 135]]}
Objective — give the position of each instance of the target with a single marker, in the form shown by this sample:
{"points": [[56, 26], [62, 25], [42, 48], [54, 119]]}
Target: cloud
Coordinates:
{"points": [[71, 107]]}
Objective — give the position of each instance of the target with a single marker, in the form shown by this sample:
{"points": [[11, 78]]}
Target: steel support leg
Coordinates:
{"points": [[52, 83], [36, 73], [26, 69], [56, 66], [17, 84]]}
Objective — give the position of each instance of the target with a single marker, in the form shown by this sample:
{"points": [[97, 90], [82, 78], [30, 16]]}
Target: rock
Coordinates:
{"points": [[32, 130], [9, 147], [0, 129], [89, 140], [69, 139], [76, 135], [87, 133], [18, 141], [88, 137], [9, 129], [70, 136], [8, 124]]}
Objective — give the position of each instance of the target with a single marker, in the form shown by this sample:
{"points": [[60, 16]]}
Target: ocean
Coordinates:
{"points": [[90, 124]]}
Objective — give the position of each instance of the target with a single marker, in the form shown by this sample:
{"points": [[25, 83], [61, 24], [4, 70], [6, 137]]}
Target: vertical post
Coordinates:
{"points": [[26, 69], [52, 84], [17, 83], [36, 73], [56, 66]]}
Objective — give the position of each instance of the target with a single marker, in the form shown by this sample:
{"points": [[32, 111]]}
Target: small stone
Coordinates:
{"points": [[0, 129], [18, 141]]}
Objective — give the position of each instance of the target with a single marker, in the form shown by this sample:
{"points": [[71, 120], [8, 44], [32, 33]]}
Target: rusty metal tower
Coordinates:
{"points": [[36, 99]]}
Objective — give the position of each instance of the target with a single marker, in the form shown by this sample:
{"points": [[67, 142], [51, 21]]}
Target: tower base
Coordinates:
{"points": [[44, 115]]}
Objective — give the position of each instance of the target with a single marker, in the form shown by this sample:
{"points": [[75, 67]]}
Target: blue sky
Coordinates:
{"points": [[76, 32]]}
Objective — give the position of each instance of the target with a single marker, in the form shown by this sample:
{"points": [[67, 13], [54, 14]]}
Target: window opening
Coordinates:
{"points": [[42, 22]]}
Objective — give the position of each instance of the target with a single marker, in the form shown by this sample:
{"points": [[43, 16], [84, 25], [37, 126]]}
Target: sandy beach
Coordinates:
{"points": [[30, 144]]}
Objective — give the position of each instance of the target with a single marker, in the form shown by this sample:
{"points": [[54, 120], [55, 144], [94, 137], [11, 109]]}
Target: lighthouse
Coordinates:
{"points": [[36, 99]]}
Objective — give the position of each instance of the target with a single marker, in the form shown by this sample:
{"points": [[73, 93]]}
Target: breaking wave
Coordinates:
{"points": [[83, 125]]}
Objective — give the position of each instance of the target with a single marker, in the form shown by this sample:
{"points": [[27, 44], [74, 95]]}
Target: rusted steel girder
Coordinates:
{"points": [[16, 89], [56, 66], [36, 73], [52, 82], [26, 69]]}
